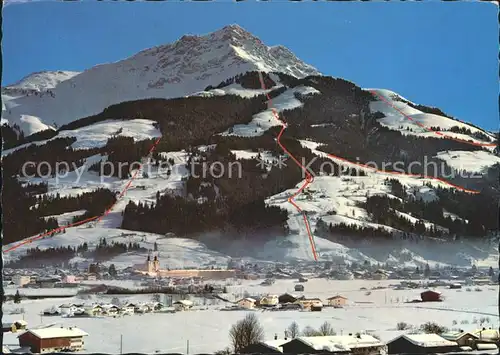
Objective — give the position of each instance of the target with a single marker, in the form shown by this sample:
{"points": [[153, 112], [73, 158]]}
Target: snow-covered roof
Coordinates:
{"points": [[337, 296], [184, 302], [340, 342], [48, 333], [457, 335], [275, 344], [247, 299], [427, 340]]}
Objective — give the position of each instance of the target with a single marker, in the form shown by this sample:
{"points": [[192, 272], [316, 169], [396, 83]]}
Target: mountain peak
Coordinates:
{"points": [[181, 68]]}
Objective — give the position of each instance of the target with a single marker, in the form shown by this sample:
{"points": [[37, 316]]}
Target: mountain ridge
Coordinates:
{"points": [[166, 71]]}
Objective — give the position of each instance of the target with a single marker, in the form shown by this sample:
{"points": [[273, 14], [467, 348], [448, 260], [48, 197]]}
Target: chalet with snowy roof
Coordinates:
{"points": [[421, 344], [299, 288], [110, 309], [337, 344], [53, 339], [287, 298], [13, 326], [183, 305], [431, 296], [247, 302], [310, 303], [265, 347], [269, 301], [337, 301], [461, 338]]}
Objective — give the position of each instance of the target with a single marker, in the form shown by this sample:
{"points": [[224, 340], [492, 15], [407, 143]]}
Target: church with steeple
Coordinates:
{"points": [[152, 268]]}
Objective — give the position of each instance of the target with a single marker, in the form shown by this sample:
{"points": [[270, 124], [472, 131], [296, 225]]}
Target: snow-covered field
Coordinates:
{"points": [[207, 330]]}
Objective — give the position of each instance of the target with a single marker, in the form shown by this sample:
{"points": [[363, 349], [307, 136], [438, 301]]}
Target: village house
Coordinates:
{"points": [[337, 301], [110, 309], [287, 298], [247, 302], [311, 303], [265, 347], [46, 340], [128, 308], [421, 344], [183, 305], [463, 339], [13, 326], [93, 310], [361, 344], [299, 288], [380, 275], [431, 296], [69, 279], [269, 301], [21, 280]]}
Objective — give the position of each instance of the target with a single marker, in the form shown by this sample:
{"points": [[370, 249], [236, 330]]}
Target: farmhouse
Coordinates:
{"points": [[21, 280], [430, 296], [461, 338], [47, 340], [421, 344], [183, 305], [265, 347], [287, 298], [337, 301], [308, 302], [299, 288], [13, 326], [338, 344], [270, 300], [247, 302]]}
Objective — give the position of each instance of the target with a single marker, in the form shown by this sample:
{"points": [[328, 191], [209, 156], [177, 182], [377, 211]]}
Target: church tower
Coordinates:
{"points": [[149, 265], [156, 264]]}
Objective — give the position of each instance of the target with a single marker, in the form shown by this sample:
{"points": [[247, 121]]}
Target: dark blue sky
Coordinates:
{"points": [[438, 54]]}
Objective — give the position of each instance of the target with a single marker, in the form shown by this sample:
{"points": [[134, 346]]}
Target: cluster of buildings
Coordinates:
{"points": [[365, 344], [104, 309], [287, 301]]}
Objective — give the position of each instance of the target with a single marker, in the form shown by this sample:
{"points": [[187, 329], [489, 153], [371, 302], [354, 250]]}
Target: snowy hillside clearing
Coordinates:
{"points": [[476, 161], [235, 89], [412, 179], [262, 121], [97, 135], [402, 117]]}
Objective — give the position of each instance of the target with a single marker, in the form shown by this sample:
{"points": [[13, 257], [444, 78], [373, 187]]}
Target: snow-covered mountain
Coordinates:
{"points": [[222, 116], [172, 70], [42, 81]]}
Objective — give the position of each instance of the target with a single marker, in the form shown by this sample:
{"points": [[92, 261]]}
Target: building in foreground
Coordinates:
{"points": [[361, 344], [48, 340], [421, 344]]}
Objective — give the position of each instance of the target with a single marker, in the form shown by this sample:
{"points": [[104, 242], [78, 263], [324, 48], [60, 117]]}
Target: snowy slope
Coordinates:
{"points": [[97, 135], [262, 121], [399, 115], [184, 67], [41, 81], [476, 161]]}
